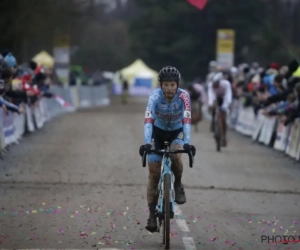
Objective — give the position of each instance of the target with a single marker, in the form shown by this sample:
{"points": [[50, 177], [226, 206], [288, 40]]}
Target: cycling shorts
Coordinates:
{"points": [[159, 136], [220, 101]]}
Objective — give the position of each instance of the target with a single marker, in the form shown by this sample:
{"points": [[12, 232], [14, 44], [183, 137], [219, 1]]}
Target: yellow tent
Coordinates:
{"points": [[44, 59], [136, 69]]}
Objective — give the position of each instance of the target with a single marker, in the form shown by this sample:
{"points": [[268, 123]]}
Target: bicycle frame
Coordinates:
{"points": [[165, 169]]}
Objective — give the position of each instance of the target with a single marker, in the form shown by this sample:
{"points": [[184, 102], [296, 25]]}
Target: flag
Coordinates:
{"points": [[62, 102], [200, 4]]}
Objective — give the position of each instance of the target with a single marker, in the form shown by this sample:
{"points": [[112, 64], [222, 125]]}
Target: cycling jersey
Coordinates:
{"points": [[209, 77], [224, 91], [168, 116]]}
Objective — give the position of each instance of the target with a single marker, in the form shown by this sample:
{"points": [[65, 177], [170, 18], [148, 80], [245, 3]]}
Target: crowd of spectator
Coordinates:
{"points": [[20, 84], [275, 88]]}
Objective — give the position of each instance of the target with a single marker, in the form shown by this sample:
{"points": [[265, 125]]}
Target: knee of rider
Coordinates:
{"points": [[174, 158], [154, 177], [177, 170], [154, 172]]}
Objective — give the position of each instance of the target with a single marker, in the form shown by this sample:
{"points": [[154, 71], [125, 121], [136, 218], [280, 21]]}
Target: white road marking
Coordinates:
{"points": [[181, 223], [188, 242]]}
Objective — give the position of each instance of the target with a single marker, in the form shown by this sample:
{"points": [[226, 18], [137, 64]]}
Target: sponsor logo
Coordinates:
{"points": [[148, 114], [175, 105], [187, 114], [169, 116], [162, 106], [180, 136]]}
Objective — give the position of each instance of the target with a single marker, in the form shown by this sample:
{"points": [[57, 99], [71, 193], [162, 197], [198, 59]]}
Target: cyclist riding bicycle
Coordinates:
{"points": [[197, 92], [198, 98], [220, 93], [167, 118]]}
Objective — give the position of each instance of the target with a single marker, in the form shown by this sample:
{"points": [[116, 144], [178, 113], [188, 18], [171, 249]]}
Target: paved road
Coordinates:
{"points": [[79, 184]]}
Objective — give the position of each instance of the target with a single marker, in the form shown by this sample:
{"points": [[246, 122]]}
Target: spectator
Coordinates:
{"points": [[124, 90]]}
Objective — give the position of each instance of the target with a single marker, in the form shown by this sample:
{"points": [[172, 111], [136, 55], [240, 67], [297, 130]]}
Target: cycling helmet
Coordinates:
{"points": [[10, 60], [234, 70], [168, 73], [217, 77]]}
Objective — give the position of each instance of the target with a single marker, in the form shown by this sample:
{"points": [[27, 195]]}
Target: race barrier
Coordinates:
{"points": [[265, 130], [268, 131], [13, 126]]}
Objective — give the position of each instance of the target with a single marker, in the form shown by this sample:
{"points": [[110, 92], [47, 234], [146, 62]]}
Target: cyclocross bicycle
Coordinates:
{"points": [[165, 208]]}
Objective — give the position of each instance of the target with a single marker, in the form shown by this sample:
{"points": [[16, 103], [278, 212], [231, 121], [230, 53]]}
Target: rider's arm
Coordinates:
{"points": [[211, 94], [149, 118], [10, 106], [186, 115], [228, 95]]}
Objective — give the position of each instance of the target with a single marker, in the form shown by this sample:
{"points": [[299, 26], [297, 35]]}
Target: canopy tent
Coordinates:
{"points": [[138, 69], [141, 79], [43, 58]]}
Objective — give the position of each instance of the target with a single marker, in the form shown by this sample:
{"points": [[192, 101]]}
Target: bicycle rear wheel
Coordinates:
{"points": [[167, 212]]}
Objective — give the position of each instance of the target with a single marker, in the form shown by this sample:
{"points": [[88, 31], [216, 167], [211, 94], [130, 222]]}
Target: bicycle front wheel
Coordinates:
{"points": [[218, 132], [218, 137], [167, 208]]}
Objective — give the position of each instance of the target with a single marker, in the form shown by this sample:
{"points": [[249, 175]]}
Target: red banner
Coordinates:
{"points": [[200, 4]]}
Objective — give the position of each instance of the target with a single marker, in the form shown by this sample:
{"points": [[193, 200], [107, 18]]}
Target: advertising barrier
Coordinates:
{"points": [[265, 130], [66, 99]]}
